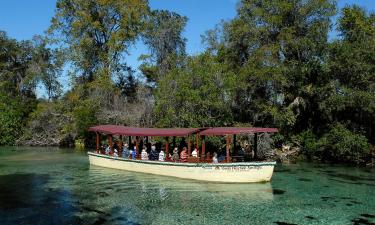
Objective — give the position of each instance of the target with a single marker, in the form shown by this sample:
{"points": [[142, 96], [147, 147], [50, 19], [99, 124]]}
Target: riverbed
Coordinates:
{"points": [[58, 186]]}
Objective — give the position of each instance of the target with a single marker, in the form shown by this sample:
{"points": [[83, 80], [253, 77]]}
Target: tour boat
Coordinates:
{"points": [[196, 168]]}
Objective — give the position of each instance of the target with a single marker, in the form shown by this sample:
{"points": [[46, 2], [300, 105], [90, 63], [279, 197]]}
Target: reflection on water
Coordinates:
{"points": [[53, 186]]}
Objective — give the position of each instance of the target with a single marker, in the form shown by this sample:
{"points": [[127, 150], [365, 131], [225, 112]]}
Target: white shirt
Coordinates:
{"points": [[194, 153], [161, 156], [144, 155]]}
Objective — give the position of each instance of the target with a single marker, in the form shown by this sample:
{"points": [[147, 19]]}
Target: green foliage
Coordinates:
{"points": [[342, 145], [84, 117], [195, 96], [163, 36], [13, 116], [97, 33], [310, 144], [277, 49], [21, 68], [337, 145], [350, 95]]}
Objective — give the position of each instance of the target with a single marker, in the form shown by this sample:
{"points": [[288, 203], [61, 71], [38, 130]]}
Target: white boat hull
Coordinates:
{"points": [[242, 172]]}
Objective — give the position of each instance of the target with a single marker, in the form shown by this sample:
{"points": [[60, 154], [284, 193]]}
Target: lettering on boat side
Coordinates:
{"points": [[232, 168]]}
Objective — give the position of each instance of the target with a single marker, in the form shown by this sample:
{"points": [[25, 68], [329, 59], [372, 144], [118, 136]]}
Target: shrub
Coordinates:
{"points": [[342, 145], [310, 144]]}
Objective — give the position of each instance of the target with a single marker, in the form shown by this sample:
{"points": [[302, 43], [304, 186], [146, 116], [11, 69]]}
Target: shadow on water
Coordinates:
{"points": [[284, 223], [24, 200]]}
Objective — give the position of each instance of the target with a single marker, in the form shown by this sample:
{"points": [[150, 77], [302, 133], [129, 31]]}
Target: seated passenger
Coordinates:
{"points": [[184, 155], [125, 151], [115, 153], [144, 155], [214, 158], [107, 150], [130, 154], [153, 153], [194, 153], [161, 156], [134, 153], [175, 156], [221, 158]]}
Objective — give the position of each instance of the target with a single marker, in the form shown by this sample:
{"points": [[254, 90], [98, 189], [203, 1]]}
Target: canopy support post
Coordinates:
{"points": [[97, 142], [197, 144], [234, 144], [110, 142], [136, 146], [203, 147], [129, 141], [255, 145], [167, 147], [120, 146], [189, 146], [228, 148]]}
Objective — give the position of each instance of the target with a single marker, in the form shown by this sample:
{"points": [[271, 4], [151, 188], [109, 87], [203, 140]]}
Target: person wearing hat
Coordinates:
{"points": [[144, 155], [175, 156]]}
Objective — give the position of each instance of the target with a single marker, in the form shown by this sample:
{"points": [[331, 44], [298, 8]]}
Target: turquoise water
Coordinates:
{"points": [[55, 186]]}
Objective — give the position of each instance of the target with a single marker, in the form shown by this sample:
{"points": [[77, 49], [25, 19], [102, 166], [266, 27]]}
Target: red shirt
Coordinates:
{"points": [[184, 156]]}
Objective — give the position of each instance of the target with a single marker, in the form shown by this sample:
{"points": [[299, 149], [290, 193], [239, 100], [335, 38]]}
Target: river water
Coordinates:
{"points": [[58, 186]]}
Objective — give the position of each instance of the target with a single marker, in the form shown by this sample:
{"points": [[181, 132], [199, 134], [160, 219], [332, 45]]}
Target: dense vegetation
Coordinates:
{"points": [[273, 65]]}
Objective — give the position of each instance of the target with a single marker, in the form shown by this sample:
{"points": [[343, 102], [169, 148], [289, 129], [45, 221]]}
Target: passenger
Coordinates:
{"points": [[125, 151], [115, 146], [130, 154], [161, 156], [144, 155], [175, 156], [153, 153], [107, 150], [222, 157], [184, 155], [195, 153], [115, 153], [134, 153], [214, 158]]}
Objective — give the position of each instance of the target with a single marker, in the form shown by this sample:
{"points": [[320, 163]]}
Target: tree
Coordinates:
{"points": [[98, 33], [23, 65], [277, 49], [197, 95], [50, 62], [127, 84], [163, 36], [349, 97]]}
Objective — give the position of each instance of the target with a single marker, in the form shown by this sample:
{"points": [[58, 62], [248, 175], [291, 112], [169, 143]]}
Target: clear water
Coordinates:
{"points": [[54, 186]]}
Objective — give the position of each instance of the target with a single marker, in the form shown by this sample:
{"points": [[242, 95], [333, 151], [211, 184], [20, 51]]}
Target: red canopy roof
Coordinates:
{"points": [[237, 130], [138, 131]]}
